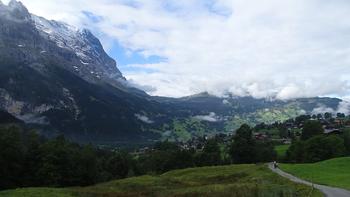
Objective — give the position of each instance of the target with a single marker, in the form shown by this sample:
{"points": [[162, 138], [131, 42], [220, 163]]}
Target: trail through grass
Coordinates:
{"points": [[333, 172]]}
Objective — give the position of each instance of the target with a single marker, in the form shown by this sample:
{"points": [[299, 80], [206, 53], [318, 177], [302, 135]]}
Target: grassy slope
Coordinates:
{"points": [[37, 192], [233, 180], [333, 172]]}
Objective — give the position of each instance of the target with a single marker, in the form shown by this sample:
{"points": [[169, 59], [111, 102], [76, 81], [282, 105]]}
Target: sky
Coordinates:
{"points": [[261, 48]]}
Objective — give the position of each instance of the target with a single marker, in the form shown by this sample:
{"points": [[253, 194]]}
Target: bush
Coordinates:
{"points": [[311, 128], [347, 140], [245, 149], [316, 149]]}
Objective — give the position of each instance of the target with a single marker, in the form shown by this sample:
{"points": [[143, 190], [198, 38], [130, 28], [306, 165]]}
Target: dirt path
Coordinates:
{"points": [[326, 190]]}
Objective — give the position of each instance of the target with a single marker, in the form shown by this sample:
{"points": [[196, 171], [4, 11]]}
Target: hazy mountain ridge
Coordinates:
{"points": [[215, 114]]}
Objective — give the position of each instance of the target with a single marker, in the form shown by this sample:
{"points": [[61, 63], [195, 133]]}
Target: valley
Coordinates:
{"points": [[85, 111]]}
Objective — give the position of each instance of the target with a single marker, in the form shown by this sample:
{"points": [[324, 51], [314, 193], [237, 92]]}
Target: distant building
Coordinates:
{"points": [[260, 136], [330, 131]]}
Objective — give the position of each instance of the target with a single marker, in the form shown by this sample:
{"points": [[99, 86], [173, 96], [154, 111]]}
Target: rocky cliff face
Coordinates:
{"points": [[93, 64], [79, 50], [59, 78]]}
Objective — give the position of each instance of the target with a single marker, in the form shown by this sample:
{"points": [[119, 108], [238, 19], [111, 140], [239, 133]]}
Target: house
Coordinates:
{"points": [[339, 122], [331, 131], [260, 136]]}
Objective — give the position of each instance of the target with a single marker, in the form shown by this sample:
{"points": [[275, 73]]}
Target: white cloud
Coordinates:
{"points": [[144, 118], [343, 107], [225, 102], [272, 48], [211, 117]]}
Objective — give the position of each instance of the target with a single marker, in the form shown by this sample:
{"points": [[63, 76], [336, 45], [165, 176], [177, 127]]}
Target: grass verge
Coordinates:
{"points": [[233, 180], [333, 172]]}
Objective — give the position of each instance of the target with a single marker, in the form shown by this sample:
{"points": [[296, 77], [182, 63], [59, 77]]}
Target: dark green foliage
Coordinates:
{"points": [[328, 115], [347, 140], [302, 119], [87, 166], [211, 154], [295, 153], [11, 157], [57, 164], [165, 156], [32, 159], [29, 160], [245, 149], [165, 146], [320, 148], [316, 149], [242, 149], [283, 131], [118, 166], [311, 128], [265, 151]]}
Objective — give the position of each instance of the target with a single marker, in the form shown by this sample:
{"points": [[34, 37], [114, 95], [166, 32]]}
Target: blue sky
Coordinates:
{"points": [[281, 49], [125, 58], [122, 55]]}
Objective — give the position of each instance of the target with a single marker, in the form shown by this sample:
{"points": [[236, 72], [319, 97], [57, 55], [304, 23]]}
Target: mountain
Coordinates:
{"points": [[207, 114], [58, 79], [7, 118]]}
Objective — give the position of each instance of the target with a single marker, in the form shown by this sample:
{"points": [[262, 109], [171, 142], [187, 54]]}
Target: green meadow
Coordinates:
{"points": [[281, 151], [245, 180], [333, 172]]}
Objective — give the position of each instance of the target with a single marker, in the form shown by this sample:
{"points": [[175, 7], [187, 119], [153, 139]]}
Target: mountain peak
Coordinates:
{"points": [[93, 63], [17, 5], [18, 10]]}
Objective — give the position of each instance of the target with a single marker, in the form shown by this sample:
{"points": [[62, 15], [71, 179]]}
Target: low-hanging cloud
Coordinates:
{"points": [[211, 117], [343, 107], [281, 49], [144, 118], [132, 84]]}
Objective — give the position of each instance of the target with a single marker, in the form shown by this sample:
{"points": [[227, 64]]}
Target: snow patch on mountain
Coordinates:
{"points": [[88, 49]]}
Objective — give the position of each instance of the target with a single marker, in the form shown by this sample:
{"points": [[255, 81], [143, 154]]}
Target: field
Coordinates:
{"points": [[333, 172], [281, 151], [234, 180]]}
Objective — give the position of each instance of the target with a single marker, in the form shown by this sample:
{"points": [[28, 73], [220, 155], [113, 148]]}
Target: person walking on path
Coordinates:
{"points": [[275, 165]]}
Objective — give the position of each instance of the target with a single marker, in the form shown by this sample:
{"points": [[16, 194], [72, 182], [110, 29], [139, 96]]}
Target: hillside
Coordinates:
{"points": [[234, 180], [333, 172]]}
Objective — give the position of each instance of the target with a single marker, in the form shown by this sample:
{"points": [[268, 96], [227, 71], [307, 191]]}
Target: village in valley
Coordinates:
{"points": [[279, 133]]}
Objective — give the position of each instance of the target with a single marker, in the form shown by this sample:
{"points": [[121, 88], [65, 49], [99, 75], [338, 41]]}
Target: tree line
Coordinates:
{"points": [[313, 145], [29, 160]]}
